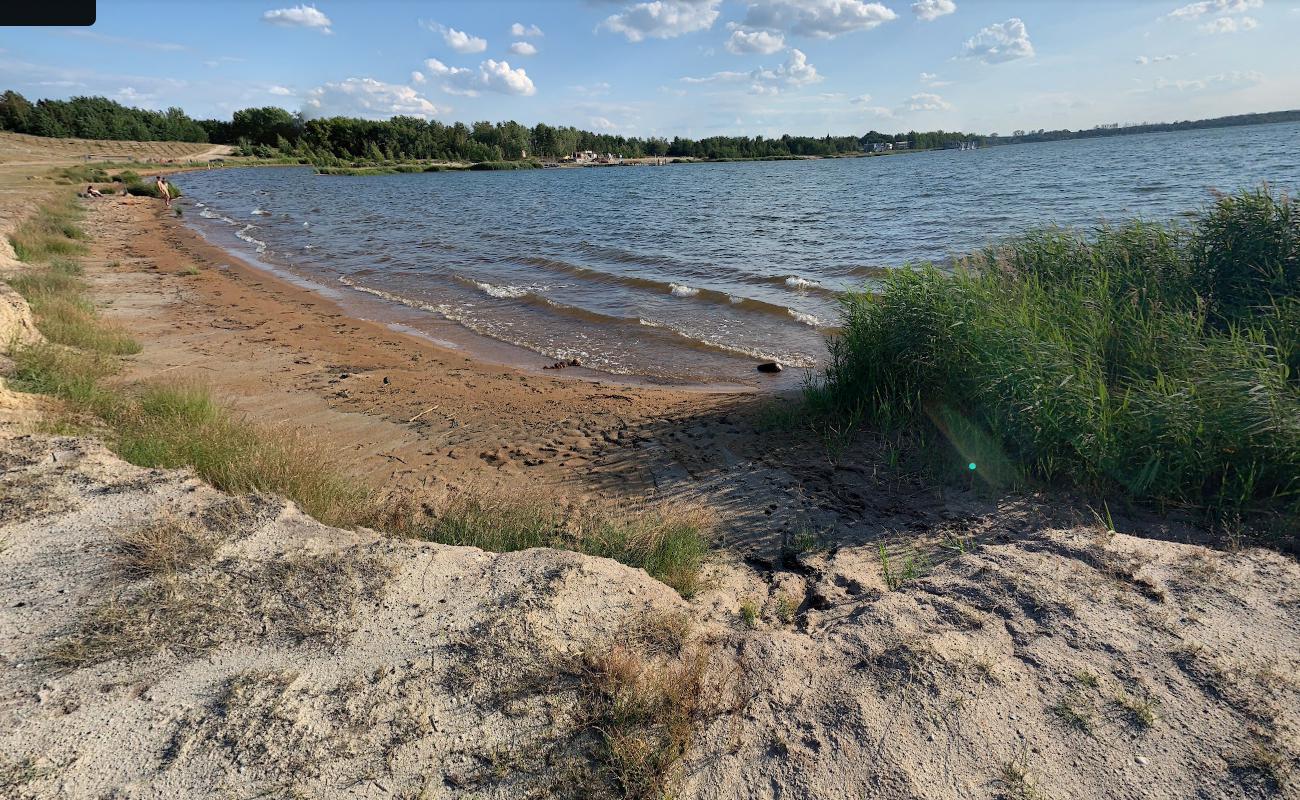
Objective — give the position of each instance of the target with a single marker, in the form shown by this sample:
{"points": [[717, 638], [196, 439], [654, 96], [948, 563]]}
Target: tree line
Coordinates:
{"points": [[274, 132]]}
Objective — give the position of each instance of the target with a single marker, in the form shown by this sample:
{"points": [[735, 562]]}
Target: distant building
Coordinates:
{"points": [[879, 147], [903, 145]]}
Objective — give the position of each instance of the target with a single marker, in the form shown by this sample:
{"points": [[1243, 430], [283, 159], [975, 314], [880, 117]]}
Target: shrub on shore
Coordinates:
{"points": [[1157, 360]]}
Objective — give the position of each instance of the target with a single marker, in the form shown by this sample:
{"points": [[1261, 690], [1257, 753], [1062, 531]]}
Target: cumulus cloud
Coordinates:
{"points": [[368, 98], [602, 124], [1144, 60], [1193, 11], [460, 41], [280, 91], [302, 16], [764, 42], [663, 19], [491, 76], [926, 101], [520, 29], [930, 10], [523, 49], [417, 77], [1230, 25], [1002, 41], [822, 19], [795, 72], [932, 79]]}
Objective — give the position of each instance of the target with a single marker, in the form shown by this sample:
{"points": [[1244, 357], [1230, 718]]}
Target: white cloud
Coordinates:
{"points": [[932, 79], [280, 91], [765, 42], [602, 124], [368, 98], [926, 101], [460, 41], [523, 49], [663, 19], [491, 76], [1003, 41], [302, 16], [930, 10], [1221, 7], [823, 19], [1230, 25], [860, 99], [795, 72], [417, 77], [1144, 60], [520, 29], [1222, 80]]}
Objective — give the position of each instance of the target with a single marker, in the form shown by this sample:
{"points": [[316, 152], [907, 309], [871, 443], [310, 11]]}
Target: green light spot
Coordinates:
{"points": [[971, 465]]}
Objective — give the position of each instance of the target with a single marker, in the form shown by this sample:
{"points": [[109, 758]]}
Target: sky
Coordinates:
{"points": [[690, 68]]}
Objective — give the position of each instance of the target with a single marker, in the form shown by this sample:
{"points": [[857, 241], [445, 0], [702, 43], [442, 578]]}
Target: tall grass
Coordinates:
{"points": [[1156, 360]]}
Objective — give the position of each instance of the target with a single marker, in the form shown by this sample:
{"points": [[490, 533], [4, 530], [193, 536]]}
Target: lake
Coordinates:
{"points": [[694, 272]]}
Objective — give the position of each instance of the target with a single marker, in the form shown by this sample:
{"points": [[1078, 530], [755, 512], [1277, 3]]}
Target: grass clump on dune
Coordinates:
{"points": [[1157, 360], [63, 312], [670, 544], [51, 231]]}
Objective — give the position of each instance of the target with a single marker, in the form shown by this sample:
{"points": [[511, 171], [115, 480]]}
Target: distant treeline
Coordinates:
{"points": [[271, 132], [1041, 135]]}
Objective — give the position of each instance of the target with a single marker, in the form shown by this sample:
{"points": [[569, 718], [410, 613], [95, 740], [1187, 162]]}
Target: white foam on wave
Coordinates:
{"points": [[258, 212], [807, 319], [795, 282], [503, 292], [682, 290], [258, 244]]}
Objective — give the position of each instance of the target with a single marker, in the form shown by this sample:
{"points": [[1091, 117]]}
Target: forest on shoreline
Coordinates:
{"points": [[271, 131]]}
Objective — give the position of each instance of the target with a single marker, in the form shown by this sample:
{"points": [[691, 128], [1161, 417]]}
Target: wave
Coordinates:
{"points": [[795, 282], [258, 244], [669, 287], [258, 212], [208, 213], [502, 292], [681, 337], [807, 319]]}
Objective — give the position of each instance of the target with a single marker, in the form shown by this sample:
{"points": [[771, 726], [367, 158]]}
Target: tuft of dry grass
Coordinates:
{"points": [[164, 547], [643, 698]]}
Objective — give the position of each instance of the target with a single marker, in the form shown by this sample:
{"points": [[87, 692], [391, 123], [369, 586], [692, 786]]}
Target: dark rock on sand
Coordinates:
{"points": [[769, 366]]}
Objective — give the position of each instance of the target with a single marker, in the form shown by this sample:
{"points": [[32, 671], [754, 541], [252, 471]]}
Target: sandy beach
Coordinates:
{"points": [[859, 630]]}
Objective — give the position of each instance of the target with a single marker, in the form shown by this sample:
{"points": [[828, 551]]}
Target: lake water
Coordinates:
{"points": [[693, 272]]}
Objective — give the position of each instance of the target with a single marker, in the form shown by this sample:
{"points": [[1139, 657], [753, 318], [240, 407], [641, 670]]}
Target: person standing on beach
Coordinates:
{"points": [[163, 192]]}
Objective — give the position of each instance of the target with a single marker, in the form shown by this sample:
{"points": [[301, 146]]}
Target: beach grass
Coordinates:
{"points": [[64, 313], [51, 231], [669, 543], [1156, 361]]}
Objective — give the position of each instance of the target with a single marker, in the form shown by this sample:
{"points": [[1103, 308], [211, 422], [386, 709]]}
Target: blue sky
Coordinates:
{"points": [[683, 67]]}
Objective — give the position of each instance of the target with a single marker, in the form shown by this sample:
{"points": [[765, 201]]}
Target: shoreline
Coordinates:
{"points": [[453, 337], [412, 410]]}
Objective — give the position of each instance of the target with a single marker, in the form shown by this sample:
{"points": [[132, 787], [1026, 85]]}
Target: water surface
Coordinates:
{"points": [[693, 272]]}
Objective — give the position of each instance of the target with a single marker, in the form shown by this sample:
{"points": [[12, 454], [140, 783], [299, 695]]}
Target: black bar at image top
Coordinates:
{"points": [[47, 12]]}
